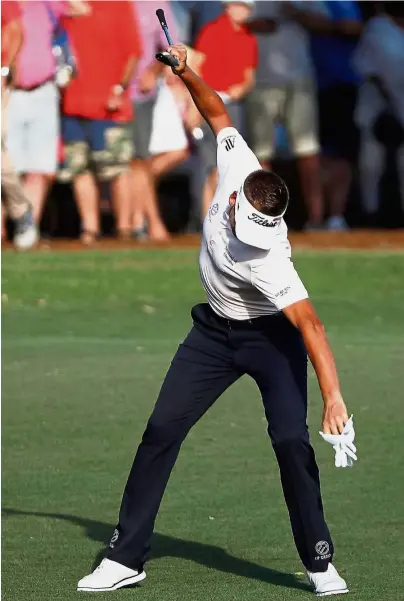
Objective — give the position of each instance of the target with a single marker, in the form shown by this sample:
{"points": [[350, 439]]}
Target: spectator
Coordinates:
{"points": [[168, 142], [204, 13], [336, 26], [182, 12], [144, 93], [191, 16], [167, 148], [225, 41], [285, 92], [19, 207], [33, 112], [379, 59], [97, 110]]}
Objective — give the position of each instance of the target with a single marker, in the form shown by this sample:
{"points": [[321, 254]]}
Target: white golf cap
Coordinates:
{"points": [[248, 2], [253, 227]]}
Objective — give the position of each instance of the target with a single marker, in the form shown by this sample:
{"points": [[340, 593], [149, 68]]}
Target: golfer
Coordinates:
{"points": [[258, 321]]}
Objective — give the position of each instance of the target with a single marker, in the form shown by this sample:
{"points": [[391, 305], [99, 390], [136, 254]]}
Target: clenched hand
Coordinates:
{"points": [[180, 53]]}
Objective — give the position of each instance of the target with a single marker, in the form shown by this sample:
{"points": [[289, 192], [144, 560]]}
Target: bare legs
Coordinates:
{"points": [[145, 206], [309, 172], [122, 199], [337, 183], [145, 174], [87, 198], [36, 186], [160, 164]]}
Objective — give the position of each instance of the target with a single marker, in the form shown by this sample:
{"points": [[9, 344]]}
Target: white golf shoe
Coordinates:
{"points": [[327, 583], [26, 233], [110, 576]]}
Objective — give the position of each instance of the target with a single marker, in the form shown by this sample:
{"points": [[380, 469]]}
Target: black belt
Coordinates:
{"points": [[35, 87], [256, 323]]}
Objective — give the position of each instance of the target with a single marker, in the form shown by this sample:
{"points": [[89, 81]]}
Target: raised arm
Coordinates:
{"points": [[208, 103]]}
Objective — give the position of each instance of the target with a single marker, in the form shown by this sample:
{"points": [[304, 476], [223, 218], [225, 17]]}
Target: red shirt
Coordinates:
{"points": [[228, 53], [10, 11], [102, 43]]}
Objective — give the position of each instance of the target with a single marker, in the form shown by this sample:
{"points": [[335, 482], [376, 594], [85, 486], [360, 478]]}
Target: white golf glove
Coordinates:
{"points": [[343, 445]]}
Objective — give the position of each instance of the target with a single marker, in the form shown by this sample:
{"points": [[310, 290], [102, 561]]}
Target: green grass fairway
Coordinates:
{"points": [[87, 338]]}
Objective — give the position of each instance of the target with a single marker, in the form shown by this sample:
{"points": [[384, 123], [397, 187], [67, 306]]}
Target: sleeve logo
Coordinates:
{"points": [[214, 209], [281, 293], [229, 143]]}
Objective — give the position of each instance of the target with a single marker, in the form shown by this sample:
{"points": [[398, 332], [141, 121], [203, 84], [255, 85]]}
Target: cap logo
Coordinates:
{"points": [[264, 222]]}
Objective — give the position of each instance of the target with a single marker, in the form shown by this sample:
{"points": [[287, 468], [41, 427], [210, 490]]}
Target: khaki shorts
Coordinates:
{"points": [[16, 201], [295, 106], [33, 129], [102, 147]]}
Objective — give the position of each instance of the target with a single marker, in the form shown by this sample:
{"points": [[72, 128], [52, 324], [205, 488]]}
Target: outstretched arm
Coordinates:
{"points": [[303, 316], [208, 103]]}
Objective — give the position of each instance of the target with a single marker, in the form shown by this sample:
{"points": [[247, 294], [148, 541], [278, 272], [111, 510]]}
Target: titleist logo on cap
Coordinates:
{"points": [[264, 222]]}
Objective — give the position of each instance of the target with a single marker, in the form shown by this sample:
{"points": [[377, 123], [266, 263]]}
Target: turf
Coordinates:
{"points": [[86, 341]]}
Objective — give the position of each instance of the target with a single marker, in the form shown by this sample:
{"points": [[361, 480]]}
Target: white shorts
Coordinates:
{"points": [[295, 106], [168, 132], [33, 129]]}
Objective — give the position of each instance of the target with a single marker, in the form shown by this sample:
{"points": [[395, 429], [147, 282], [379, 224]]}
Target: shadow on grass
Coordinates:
{"points": [[169, 546]]}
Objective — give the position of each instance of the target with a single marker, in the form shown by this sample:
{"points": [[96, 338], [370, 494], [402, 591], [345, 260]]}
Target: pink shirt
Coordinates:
{"points": [[36, 63], [153, 38]]}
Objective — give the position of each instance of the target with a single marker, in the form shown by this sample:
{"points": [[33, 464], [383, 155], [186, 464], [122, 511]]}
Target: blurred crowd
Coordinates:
{"points": [[85, 103]]}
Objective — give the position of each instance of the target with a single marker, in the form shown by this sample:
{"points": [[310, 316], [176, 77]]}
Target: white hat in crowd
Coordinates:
{"points": [[248, 2]]}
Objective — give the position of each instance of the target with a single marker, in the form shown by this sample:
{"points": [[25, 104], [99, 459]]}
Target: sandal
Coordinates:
{"points": [[88, 238], [124, 235]]}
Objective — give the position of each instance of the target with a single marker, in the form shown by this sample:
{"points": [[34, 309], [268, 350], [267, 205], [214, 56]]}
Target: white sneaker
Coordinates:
{"points": [[327, 583], [109, 576], [337, 224], [26, 233]]}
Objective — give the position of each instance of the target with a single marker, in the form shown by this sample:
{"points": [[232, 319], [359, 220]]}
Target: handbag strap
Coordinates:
{"points": [[51, 14], [52, 17]]}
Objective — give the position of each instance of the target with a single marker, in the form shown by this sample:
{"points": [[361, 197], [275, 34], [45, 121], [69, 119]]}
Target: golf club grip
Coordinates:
{"points": [[167, 59], [162, 19]]}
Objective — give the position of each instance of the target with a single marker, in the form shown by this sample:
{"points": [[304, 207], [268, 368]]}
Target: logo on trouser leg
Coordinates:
{"points": [[114, 538], [322, 550]]}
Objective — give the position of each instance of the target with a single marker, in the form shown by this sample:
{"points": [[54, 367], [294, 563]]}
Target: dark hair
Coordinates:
{"points": [[267, 192]]}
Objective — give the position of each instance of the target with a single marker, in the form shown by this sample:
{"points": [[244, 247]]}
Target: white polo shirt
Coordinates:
{"points": [[242, 282]]}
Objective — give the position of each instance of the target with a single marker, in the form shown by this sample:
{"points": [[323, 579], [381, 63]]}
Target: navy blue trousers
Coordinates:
{"points": [[215, 354]]}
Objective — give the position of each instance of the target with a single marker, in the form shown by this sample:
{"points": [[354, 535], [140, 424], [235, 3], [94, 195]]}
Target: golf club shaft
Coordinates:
{"points": [[165, 57]]}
